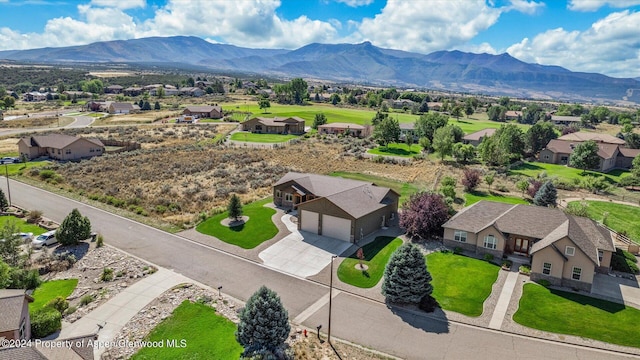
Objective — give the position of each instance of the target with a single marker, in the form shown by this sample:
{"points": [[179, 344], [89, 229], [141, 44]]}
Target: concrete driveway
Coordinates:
{"points": [[302, 253], [620, 289]]}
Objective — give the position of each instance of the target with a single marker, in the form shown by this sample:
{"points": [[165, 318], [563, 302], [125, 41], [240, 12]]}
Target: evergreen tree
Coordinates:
{"points": [[264, 323], [156, 106], [146, 106], [547, 195], [406, 279], [4, 204], [319, 119], [235, 207], [74, 228]]}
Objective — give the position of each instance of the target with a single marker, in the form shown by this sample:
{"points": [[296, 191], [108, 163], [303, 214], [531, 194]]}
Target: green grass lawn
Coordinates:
{"points": [[254, 232], [261, 138], [532, 169], [23, 226], [397, 149], [207, 335], [18, 168], [474, 197], [622, 218], [376, 256], [472, 125], [50, 290], [460, 283], [404, 189], [574, 314]]}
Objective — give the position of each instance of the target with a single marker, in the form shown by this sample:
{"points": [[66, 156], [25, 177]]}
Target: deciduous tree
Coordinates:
{"points": [[471, 179], [423, 214], [387, 131], [264, 104], [585, 156], [539, 135]]}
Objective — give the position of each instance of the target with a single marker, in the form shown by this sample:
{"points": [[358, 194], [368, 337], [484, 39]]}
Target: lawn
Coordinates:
{"points": [[258, 229], [472, 125], [207, 335], [20, 167], [376, 255], [50, 290], [460, 283], [473, 197], [397, 149], [622, 218], [261, 138], [23, 226], [531, 169], [405, 189], [574, 314]]}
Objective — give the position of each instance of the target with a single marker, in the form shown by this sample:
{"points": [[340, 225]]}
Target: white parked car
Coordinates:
{"points": [[47, 238], [26, 237]]}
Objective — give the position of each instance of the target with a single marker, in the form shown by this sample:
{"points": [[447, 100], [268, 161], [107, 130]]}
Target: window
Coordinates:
{"points": [[460, 236], [546, 268], [67, 151], [600, 255], [91, 150], [288, 197], [569, 251], [490, 242], [278, 193], [547, 157], [576, 273]]}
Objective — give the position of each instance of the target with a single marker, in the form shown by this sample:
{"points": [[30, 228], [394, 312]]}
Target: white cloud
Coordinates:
{"points": [[426, 26], [120, 4], [479, 49], [593, 5], [355, 3], [610, 46], [526, 6]]}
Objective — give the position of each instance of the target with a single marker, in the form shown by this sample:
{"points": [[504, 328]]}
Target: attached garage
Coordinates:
{"points": [[335, 227], [309, 221]]}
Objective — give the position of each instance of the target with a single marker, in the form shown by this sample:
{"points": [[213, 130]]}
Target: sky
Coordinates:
{"points": [[601, 36]]}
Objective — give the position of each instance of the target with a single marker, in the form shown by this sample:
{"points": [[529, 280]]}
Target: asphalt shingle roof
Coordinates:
{"points": [[56, 141], [11, 303]]}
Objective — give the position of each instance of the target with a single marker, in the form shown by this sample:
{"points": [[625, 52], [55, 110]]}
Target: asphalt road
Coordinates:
{"points": [[355, 319], [79, 122]]}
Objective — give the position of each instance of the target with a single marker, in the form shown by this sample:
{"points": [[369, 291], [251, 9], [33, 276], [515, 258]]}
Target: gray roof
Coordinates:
{"points": [[566, 118], [605, 150], [122, 106], [203, 108], [11, 304], [477, 216], [339, 125], [276, 121], [21, 353], [584, 136], [355, 197], [530, 220], [56, 141], [478, 135]]}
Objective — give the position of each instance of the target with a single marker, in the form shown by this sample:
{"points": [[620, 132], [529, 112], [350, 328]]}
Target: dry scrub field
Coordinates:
{"points": [[145, 117]]}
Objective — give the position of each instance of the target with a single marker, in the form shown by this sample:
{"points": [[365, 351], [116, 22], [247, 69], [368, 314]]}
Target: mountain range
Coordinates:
{"points": [[361, 63]]}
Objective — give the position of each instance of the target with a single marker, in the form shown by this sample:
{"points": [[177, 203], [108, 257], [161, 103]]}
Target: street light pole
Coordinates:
{"points": [[6, 174], [330, 296]]}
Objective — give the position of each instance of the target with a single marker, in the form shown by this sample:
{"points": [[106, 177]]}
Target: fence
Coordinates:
{"points": [[233, 143], [124, 145]]}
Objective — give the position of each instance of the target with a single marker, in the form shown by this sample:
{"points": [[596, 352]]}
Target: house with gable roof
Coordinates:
{"points": [[276, 125], [60, 147], [340, 208], [563, 249], [15, 323]]}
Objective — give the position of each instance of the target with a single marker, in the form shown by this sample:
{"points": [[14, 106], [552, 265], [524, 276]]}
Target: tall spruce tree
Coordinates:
{"points": [[74, 228], [264, 323], [547, 195], [406, 279], [235, 207], [4, 204]]}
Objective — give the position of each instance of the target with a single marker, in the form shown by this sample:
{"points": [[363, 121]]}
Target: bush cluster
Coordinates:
{"points": [[45, 321]]}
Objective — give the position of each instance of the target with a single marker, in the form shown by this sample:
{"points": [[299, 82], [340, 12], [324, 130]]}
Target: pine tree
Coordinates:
{"points": [[235, 207], [406, 279], [264, 323], [74, 228], [547, 195], [4, 204]]}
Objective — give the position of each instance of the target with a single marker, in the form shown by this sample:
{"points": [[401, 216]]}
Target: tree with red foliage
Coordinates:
{"points": [[424, 214], [471, 179], [534, 186]]}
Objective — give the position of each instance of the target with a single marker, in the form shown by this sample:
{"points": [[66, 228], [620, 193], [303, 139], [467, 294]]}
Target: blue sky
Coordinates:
{"points": [[582, 35]]}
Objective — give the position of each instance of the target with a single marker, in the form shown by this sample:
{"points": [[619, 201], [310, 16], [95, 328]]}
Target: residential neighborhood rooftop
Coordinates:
{"points": [[598, 137], [478, 135]]}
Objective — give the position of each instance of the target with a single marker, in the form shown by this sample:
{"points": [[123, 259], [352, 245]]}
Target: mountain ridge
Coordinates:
{"points": [[364, 63]]}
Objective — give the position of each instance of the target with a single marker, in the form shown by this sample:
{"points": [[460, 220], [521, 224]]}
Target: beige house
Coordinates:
{"points": [[203, 111], [122, 108], [340, 208], [15, 323], [276, 125], [565, 120], [612, 155], [356, 130], [566, 250], [476, 138], [60, 147]]}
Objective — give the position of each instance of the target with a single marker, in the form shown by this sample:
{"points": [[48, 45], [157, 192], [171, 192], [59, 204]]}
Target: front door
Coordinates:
{"points": [[522, 246]]}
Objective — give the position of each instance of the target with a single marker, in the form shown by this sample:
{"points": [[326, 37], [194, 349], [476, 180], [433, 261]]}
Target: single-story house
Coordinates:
{"points": [[356, 130], [191, 91], [122, 108], [611, 155], [113, 89], [34, 96], [476, 138], [435, 106], [15, 323], [512, 115], [340, 208], [581, 136], [98, 105], [132, 91], [168, 91], [565, 120], [276, 125], [60, 147], [408, 129], [203, 111], [563, 249], [401, 103]]}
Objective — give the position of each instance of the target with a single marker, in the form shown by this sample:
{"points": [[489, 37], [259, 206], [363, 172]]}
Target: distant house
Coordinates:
{"points": [[113, 89], [435, 106], [132, 91], [597, 137], [191, 91], [401, 103], [168, 91], [15, 323], [476, 138], [513, 115], [355, 130], [203, 111], [60, 147], [339, 208], [563, 249], [122, 108], [565, 120], [276, 125], [98, 105], [408, 130], [34, 96]]}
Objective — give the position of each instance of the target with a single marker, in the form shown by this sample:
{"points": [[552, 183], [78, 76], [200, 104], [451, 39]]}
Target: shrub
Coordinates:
{"points": [[424, 214], [544, 283], [70, 310], [107, 274], [471, 179], [624, 261], [73, 229], [100, 241], [448, 181], [488, 257], [457, 250], [525, 269], [86, 300], [45, 321], [629, 181], [34, 216], [448, 191], [59, 303], [577, 208]]}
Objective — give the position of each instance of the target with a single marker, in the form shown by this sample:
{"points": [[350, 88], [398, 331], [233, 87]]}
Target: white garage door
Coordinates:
{"points": [[337, 228], [309, 221]]}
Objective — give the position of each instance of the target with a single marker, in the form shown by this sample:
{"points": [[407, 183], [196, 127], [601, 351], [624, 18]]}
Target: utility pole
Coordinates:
{"points": [[330, 296], [6, 174]]}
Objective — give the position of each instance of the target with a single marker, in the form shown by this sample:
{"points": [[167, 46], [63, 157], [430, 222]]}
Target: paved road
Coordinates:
{"points": [[79, 122], [362, 321]]}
